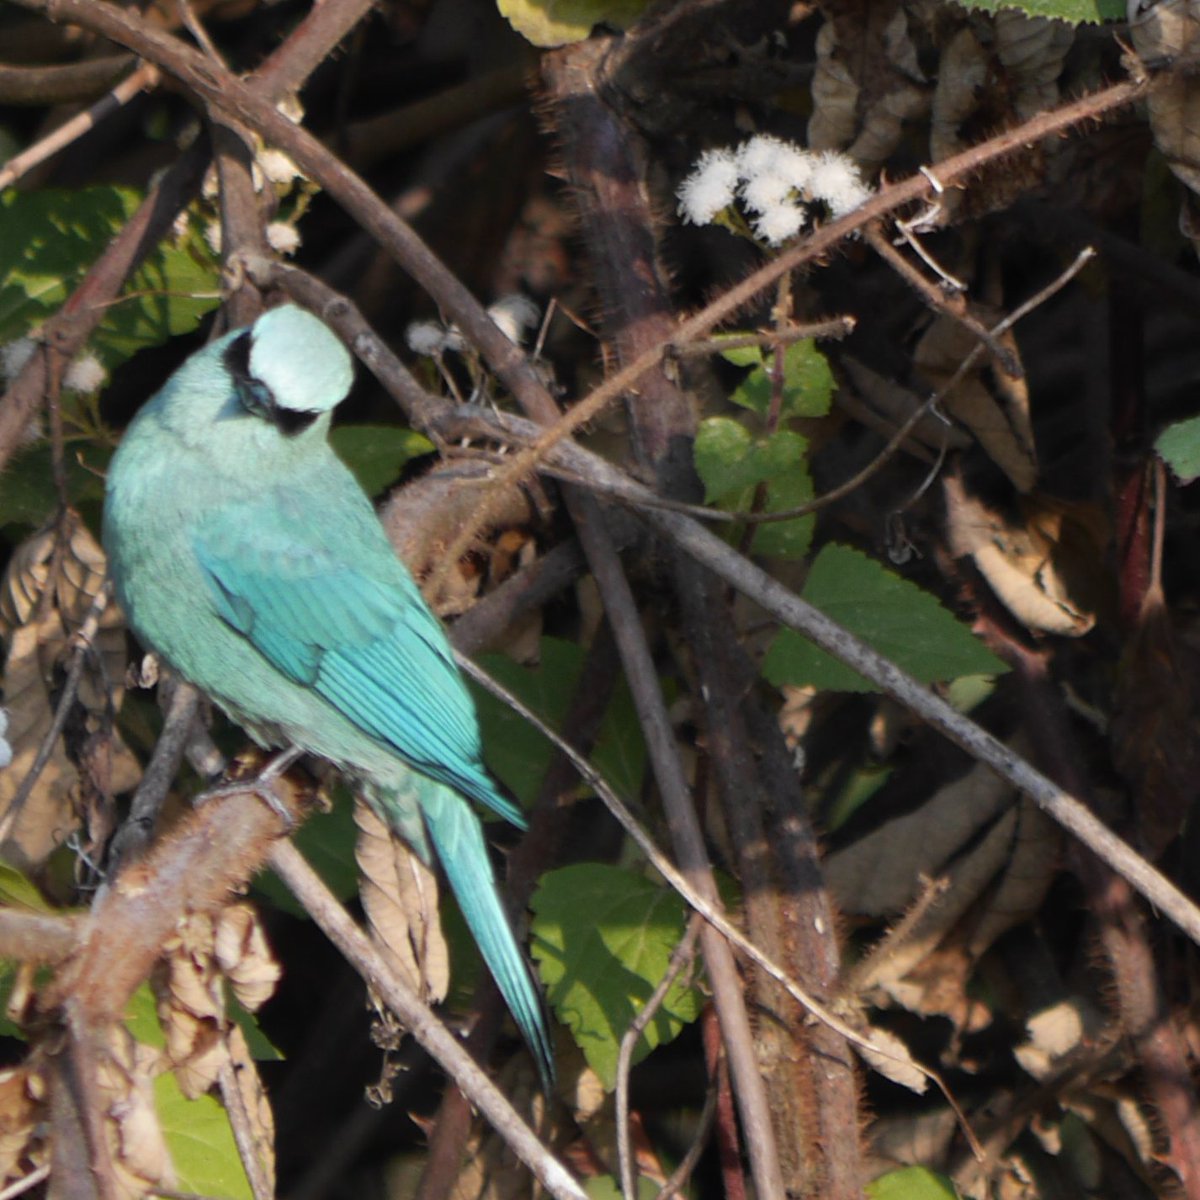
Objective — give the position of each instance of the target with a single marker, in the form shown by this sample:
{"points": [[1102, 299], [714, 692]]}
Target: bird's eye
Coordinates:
{"points": [[254, 395], [291, 421]]}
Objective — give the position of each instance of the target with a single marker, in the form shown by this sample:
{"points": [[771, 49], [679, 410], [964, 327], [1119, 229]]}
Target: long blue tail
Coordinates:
{"points": [[457, 837]]}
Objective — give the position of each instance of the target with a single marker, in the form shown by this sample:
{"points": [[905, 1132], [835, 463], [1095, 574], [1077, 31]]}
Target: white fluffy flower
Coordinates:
{"points": [[427, 338], [85, 375], [14, 355], [835, 179], [278, 167], [776, 225], [283, 238], [516, 315], [709, 188], [764, 192]]}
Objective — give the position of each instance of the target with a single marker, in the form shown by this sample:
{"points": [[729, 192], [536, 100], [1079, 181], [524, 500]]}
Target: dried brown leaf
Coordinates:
{"points": [[1032, 51], [879, 875], [998, 415], [895, 404], [125, 1075], [241, 950], [1055, 1032], [1035, 568], [400, 897], [1170, 32], [22, 1144], [897, 1064], [191, 1006], [1028, 870], [43, 601]]}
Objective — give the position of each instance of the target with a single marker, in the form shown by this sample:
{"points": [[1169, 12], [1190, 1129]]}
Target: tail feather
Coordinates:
{"points": [[457, 837]]}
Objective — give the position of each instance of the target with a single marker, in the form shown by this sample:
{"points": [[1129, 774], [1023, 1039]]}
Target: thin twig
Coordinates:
{"points": [[663, 865], [333, 920], [22, 1185], [243, 1129], [687, 1164], [937, 299], [146, 76], [681, 957]]}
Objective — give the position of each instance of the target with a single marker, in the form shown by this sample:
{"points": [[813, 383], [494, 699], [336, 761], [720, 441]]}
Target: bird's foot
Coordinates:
{"points": [[264, 785]]}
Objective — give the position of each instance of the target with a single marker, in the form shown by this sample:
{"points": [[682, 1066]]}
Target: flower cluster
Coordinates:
{"points": [[515, 314], [775, 181]]}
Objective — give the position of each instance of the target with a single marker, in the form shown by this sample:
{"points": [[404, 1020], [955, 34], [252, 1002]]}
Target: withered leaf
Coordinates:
{"points": [[400, 897]]}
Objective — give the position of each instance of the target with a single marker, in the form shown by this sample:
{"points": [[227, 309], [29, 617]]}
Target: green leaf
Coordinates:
{"points": [[261, 1048], [1075, 12], [27, 493], [807, 380], [201, 1143], [1179, 447], [558, 22], [515, 752], [911, 1183], [378, 453], [48, 240], [16, 891], [904, 623], [730, 459], [605, 1187], [731, 462], [519, 756], [141, 1018], [602, 938], [743, 356], [787, 539]]}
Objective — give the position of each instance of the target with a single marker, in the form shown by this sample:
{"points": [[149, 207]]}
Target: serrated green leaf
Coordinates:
{"points": [[911, 1183], [787, 539], [559, 22], [1074, 12], [48, 240], [201, 1143], [378, 453], [904, 623], [807, 381], [602, 937], [730, 459], [1179, 447]]}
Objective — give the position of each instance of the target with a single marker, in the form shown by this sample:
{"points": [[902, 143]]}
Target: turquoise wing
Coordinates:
{"points": [[364, 641]]}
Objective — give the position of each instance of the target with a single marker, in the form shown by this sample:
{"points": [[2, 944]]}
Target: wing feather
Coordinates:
{"points": [[368, 645]]}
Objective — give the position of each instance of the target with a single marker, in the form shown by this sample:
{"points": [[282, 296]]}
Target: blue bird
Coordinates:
{"points": [[246, 555]]}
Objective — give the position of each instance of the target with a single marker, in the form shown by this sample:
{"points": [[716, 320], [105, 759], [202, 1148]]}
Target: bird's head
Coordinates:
{"points": [[288, 369], [263, 394]]}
